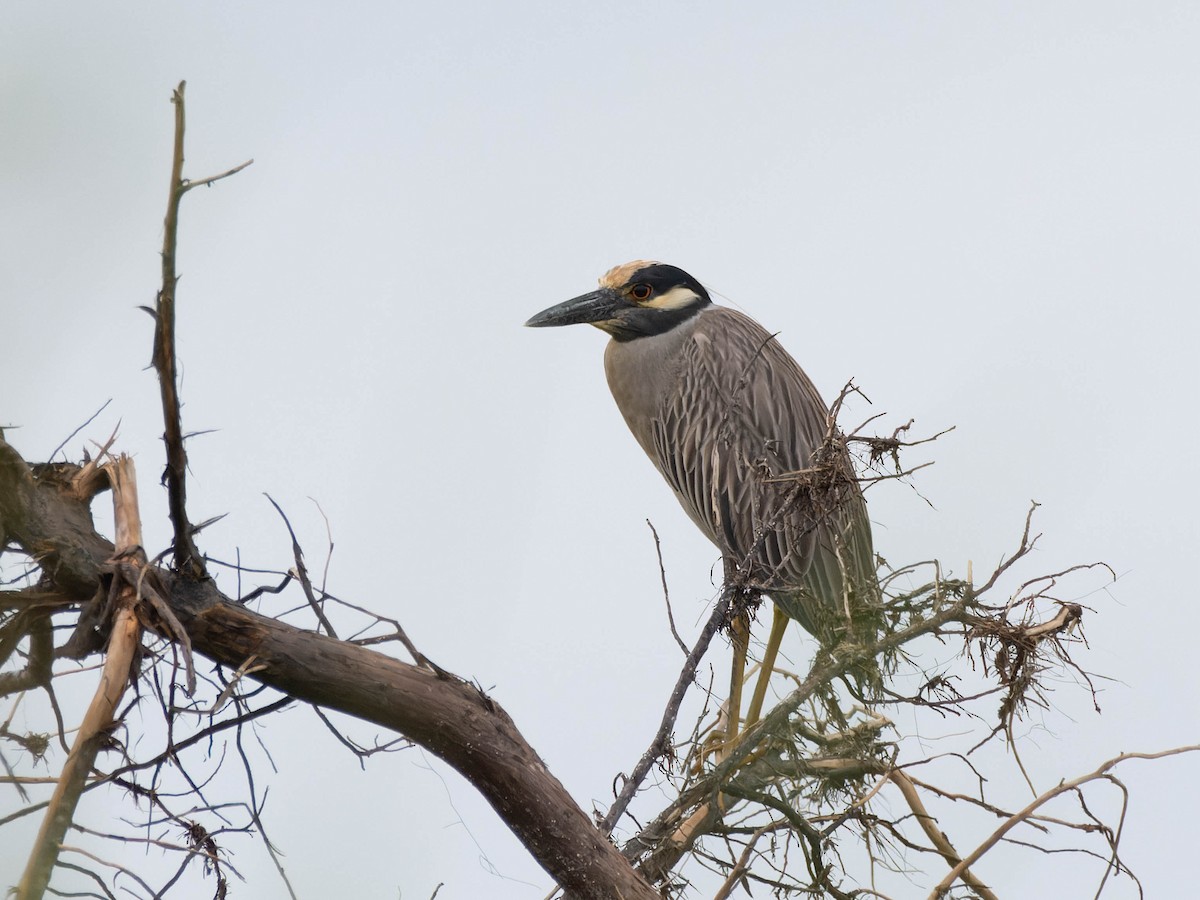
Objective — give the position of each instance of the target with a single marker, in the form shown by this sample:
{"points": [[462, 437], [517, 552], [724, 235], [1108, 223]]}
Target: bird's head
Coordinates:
{"points": [[634, 300]]}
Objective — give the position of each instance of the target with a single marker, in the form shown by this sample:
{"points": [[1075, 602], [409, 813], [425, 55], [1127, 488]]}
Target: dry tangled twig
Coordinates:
{"points": [[783, 808]]}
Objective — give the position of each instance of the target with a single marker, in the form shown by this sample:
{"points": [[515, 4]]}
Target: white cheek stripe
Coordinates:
{"points": [[676, 298]]}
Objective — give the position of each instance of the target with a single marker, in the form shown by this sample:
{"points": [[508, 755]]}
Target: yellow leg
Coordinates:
{"points": [[739, 635], [778, 626]]}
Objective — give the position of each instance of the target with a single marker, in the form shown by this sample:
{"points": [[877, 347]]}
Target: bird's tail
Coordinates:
{"points": [[840, 602]]}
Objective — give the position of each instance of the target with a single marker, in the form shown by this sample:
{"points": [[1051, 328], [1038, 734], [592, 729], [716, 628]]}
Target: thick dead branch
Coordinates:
{"points": [[32, 621], [448, 716], [58, 535], [796, 778]]}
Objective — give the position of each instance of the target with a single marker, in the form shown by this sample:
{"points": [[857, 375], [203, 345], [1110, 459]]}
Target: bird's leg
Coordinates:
{"points": [[779, 625], [739, 636]]}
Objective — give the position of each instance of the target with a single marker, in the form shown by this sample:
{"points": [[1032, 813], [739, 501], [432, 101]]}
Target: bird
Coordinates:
{"points": [[745, 441]]}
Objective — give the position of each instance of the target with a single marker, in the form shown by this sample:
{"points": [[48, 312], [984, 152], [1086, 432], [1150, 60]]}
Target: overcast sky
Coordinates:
{"points": [[986, 214]]}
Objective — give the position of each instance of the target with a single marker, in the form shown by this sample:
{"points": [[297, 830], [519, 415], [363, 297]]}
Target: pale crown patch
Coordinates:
{"points": [[618, 276]]}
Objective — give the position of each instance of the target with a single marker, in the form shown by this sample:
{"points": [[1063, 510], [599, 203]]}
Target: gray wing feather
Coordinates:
{"points": [[739, 421]]}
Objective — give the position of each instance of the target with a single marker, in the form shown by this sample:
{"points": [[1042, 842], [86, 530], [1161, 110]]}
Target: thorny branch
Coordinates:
{"points": [[187, 557], [812, 769], [790, 767], [444, 714], [932, 609]]}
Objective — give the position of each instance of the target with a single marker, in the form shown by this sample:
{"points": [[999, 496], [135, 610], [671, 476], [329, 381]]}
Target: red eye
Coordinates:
{"points": [[640, 292]]}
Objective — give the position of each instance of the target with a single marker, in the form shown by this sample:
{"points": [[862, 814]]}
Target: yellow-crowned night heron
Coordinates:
{"points": [[740, 433]]}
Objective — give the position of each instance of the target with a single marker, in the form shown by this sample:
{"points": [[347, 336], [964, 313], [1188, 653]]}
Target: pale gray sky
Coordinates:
{"points": [[987, 214]]}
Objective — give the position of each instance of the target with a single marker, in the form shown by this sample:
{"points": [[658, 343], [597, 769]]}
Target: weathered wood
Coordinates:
{"points": [[94, 731], [444, 714], [53, 527]]}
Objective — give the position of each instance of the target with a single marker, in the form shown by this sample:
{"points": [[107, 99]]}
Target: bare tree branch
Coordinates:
{"points": [[774, 809], [935, 834], [1017, 818], [187, 557], [658, 746], [448, 716], [123, 643]]}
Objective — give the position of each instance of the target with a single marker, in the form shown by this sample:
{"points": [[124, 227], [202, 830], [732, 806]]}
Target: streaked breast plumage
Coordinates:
{"points": [[728, 418]]}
